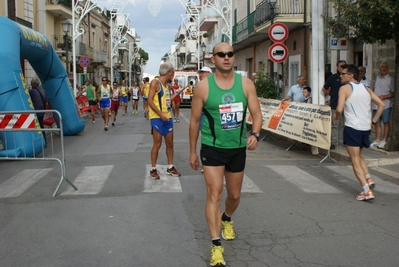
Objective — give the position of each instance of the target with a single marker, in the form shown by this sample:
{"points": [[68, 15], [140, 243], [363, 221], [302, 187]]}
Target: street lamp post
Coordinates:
{"points": [[203, 49], [272, 4], [66, 27]]}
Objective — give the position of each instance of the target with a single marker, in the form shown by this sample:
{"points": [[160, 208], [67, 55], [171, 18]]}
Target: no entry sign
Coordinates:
{"points": [[278, 32]]}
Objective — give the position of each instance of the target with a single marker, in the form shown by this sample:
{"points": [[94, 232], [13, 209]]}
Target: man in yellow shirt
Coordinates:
{"points": [[159, 102]]}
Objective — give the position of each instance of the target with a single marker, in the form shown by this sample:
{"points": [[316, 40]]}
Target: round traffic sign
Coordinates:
{"points": [[84, 61], [278, 32], [278, 53]]}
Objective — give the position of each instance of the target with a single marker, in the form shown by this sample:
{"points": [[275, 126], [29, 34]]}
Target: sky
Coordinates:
{"points": [[157, 33]]}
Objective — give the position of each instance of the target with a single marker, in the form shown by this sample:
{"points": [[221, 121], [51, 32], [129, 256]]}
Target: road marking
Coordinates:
{"points": [[21, 182], [248, 186], [386, 172], [381, 185], [303, 180], [90, 181], [166, 183]]}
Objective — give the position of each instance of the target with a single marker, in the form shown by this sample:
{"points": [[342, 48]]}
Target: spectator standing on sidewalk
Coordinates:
{"points": [[39, 101], [362, 77], [331, 87], [159, 102], [354, 100], [295, 93], [224, 98], [384, 89], [307, 91]]}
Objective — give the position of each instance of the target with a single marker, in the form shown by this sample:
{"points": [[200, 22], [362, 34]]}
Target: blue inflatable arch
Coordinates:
{"points": [[20, 42]]}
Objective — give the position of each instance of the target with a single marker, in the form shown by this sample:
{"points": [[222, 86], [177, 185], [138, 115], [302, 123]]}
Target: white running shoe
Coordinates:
{"points": [[382, 144], [375, 143]]}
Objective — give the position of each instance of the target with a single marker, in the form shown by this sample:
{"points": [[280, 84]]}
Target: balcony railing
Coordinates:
{"points": [[284, 8], [191, 58], [96, 56], [66, 3], [60, 42], [244, 28], [100, 56]]}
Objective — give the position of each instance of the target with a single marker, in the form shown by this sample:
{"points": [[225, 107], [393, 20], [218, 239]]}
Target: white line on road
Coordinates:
{"points": [[90, 181], [381, 185], [303, 180], [21, 182], [387, 172], [166, 183], [248, 186]]}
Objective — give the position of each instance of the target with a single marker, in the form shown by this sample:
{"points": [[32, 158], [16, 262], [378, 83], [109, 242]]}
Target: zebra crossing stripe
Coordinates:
{"points": [[381, 185], [303, 180], [90, 181], [248, 186], [18, 184], [166, 183]]}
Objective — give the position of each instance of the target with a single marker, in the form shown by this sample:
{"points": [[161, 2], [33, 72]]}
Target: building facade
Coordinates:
{"points": [[250, 21], [47, 16]]}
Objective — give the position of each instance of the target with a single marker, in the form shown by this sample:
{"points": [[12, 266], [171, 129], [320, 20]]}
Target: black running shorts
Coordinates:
{"points": [[232, 159]]}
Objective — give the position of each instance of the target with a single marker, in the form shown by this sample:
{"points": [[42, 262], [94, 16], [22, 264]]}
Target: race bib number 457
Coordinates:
{"points": [[231, 115]]}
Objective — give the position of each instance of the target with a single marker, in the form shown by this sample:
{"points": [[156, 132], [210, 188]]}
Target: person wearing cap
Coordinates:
{"points": [[204, 72]]}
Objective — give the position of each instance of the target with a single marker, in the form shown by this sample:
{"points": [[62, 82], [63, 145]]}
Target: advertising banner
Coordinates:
{"points": [[306, 123]]}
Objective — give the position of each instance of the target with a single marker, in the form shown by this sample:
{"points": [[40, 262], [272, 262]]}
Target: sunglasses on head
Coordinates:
{"points": [[104, 80], [224, 54]]}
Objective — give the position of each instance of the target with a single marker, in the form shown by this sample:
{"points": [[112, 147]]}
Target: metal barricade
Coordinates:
{"points": [[14, 124]]}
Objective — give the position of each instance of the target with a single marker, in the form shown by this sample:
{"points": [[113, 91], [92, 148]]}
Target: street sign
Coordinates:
{"points": [[85, 70], [338, 43], [339, 30], [278, 32], [278, 53], [84, 61]]}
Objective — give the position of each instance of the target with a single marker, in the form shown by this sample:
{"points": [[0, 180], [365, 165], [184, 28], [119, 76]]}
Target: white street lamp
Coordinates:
{"points": [[203, 49], [80, 9]]}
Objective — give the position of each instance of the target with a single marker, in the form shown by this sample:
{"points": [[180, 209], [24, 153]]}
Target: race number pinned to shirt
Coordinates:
{"points": [[231, 115]]}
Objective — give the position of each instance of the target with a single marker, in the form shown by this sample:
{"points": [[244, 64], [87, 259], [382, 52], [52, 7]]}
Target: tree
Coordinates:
{"points": [[375, 21], [144, 55], [266, 86]]}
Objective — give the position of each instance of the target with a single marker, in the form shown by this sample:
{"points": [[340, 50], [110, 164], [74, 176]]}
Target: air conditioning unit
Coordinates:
{"points": [[55, 2]]}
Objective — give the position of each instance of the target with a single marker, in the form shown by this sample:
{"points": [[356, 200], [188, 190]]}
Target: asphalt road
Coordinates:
{"points": [[294, 210]]}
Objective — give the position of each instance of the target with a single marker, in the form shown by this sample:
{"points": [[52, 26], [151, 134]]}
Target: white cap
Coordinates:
{"points": [[205, 69]]}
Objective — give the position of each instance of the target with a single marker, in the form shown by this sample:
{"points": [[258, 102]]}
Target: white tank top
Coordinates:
{"points": [[135, 92], [357, 109]]}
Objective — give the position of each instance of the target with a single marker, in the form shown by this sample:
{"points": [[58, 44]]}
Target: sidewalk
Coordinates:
{"points": [[374, 156]]}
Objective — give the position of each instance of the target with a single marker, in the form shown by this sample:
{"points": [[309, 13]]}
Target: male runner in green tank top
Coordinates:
{"points": [[223, 98], [92, 97]]}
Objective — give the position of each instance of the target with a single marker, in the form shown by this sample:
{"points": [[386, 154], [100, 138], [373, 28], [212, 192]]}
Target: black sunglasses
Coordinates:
{"points": [[224, 54]]}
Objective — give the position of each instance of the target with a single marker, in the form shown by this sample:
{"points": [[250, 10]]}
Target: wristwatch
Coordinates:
{"points": [[256, 135], [373, 123]]}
